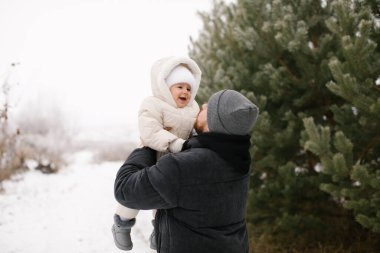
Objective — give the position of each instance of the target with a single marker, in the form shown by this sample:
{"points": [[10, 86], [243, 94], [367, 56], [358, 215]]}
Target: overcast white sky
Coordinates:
{"points": [[92, 57]]}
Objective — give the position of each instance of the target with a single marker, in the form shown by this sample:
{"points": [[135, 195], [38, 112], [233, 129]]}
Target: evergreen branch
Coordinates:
{"points": [[330, 118], [291, 74], [373, 142], [314, 40]]}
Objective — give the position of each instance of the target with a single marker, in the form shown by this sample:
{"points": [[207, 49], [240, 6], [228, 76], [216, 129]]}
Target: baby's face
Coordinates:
{"points": [[181, 93]]}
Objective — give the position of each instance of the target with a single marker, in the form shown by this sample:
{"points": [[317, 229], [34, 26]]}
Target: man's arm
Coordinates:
{"points": [[140, 184]]}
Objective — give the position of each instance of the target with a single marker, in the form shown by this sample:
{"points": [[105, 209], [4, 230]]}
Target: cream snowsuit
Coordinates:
{"points": [[162, 125], [160, 112]]}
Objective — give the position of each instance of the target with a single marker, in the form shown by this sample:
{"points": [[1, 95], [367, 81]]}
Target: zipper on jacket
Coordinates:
{"points": [[167, 227], [162, 225]]}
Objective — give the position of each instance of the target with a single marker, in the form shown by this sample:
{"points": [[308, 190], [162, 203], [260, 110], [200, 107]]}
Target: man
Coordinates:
{"points": [[201, 192]]}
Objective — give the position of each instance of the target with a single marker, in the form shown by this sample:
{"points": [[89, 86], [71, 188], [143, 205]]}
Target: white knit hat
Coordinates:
{"points": [[180, 74]]}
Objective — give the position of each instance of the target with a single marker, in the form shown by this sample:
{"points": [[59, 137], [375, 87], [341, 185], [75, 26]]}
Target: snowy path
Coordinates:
{"points": [[68, 212]]}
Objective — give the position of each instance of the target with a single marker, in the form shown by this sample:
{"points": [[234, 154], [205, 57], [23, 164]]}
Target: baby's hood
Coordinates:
{"points": [[160, 71]]}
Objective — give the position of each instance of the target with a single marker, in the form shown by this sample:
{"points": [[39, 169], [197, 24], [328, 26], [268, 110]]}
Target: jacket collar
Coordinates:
{"points": [[234, 149]]}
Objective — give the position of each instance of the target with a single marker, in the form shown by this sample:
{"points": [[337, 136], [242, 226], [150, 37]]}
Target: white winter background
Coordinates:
{"points": [[90, 61]]}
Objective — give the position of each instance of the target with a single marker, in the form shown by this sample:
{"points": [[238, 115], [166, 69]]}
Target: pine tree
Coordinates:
{"points": [[311, 66], [352, 157]]}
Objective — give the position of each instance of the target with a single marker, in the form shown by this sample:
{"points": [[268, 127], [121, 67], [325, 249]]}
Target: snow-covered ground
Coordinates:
{"points": [[70, 212]]}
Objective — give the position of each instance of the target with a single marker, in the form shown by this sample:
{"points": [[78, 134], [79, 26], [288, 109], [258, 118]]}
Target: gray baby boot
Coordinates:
{"points": [[152, 238], [121, 231]]}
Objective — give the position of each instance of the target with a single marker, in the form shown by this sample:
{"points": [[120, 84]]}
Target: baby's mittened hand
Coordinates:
{"points": [[176, 145]]}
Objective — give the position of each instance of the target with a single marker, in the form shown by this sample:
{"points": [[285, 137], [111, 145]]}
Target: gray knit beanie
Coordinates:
{"points": [[229, 112]]}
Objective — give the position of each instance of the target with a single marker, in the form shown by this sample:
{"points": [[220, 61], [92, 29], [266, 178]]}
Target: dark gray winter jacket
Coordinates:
{"points": [[200, 192]]}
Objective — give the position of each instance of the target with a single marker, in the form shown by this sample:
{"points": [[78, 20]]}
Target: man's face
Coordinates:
{"points": [[201, 125]]}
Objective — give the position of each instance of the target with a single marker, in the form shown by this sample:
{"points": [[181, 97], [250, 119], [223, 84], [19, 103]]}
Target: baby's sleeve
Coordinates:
{"points": [[151, 127]]}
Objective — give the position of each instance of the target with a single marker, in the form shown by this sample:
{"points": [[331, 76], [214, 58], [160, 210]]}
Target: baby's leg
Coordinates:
{"points": [[124, 220], [126, 213]]}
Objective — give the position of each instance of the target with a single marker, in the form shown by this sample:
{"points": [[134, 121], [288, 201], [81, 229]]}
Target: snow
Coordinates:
{"points": [[71, 211]]}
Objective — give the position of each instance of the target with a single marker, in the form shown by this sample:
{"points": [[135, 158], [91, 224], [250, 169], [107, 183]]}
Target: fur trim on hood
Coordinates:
{"points": [[160, 71]]}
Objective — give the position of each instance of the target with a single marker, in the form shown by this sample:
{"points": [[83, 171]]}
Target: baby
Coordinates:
{"points": [[165, 120]]}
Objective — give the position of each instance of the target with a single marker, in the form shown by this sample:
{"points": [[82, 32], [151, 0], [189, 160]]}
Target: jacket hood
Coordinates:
{"points": [[160, 71]]}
